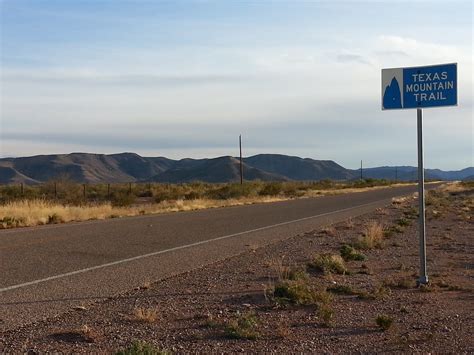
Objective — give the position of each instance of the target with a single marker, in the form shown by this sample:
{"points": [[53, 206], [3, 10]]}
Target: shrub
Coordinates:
{"points": [[403, 222], [244, 327], [373, 236], [123, 199], [54, 219], [400, 281], [231, 191], [342, 290], [11, 222], [298, 292], [147, 315], [271, 189], [285, 272], [328, 263], [349, 253], [326, 313], [142, 348], [384, 322]]}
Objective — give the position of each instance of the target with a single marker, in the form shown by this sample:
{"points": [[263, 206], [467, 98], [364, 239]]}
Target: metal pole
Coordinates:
{"points": [[241, 166], [421, 199]]}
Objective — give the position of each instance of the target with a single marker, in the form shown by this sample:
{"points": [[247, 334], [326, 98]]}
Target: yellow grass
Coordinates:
{"points": [[38, 212], [25, 213], [147, 315], [373, 236]]}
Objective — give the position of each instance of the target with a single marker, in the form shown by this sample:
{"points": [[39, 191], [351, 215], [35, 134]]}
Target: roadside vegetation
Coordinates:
{"points": [[351, 278], [64, 201]]}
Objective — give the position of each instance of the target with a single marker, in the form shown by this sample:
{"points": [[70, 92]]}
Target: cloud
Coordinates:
{"points": [[92, 77], [352, 58]]}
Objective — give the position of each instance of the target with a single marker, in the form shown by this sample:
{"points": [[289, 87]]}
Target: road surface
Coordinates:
{"points": [[51, 269]]}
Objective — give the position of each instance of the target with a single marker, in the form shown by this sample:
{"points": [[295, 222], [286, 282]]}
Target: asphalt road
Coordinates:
{"points": [[48, 270]]}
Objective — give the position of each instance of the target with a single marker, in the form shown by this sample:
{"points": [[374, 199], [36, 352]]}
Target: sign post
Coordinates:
{"points": [[423, 279], [420, 87]]}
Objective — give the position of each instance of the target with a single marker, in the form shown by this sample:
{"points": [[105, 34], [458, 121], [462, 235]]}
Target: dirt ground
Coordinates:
{"points": [[234, 305]]}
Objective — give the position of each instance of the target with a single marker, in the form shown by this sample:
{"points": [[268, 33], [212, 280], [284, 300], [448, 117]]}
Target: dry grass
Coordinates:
{"points": [[27, 213], [350, 224], [145, 315], [373, 236], [286, 272], [33, 212], [83, 334], [329, 230], [328, 263]]}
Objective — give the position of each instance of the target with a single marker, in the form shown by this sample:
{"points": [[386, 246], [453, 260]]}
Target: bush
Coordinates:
{"points": [[373, 236], [271, 189], [342, 290], [329, 263], [54, 219], [123, 199], [232, 191], [142, 348], [244, 327], [349, 253], [298, 292], [11, 222], [384, 322]]}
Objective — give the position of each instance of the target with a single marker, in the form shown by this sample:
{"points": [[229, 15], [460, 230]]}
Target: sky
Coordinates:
{"points": [[185, 78]]}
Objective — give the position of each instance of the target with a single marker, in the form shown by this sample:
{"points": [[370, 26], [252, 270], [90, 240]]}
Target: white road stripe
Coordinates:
{"points": [[55, 277]]}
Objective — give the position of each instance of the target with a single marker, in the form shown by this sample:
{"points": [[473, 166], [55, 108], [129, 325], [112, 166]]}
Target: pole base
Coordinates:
{"points": [[423, 280]]}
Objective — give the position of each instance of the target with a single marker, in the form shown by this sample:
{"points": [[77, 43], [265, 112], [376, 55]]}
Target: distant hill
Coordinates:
{"points": [[131, 167], [407, 173], [296, 168], [223, 169]]}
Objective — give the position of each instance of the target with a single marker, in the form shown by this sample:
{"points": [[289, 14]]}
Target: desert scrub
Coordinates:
{"points": [[342, 290], [297, 292], [145, 315], [142, 348], [349, 253], [271, 189], [11, 222], [286, 272], [403, 222], [378, 292], [372, 237], [328, 263], [384, 322], [402, 281], [326, 313], [245, 326]]}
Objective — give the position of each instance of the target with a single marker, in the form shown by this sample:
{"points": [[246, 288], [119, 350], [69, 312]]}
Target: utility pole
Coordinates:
{"points": [[241, 166]]}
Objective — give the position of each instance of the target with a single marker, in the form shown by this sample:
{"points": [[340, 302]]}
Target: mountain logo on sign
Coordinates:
{"points": [[392, 97]]}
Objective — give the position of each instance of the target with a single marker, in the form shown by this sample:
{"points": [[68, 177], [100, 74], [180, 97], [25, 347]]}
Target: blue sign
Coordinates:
{"points": [[419, 87]]}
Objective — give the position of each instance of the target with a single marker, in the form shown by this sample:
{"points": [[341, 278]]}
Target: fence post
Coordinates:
{"points": [[129, 188], [55, 190], [108, 190], [21, 189], [84, 192]]}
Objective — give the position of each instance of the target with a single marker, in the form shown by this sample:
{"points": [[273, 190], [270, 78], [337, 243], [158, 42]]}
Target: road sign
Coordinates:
{"points": [[419, 87]]}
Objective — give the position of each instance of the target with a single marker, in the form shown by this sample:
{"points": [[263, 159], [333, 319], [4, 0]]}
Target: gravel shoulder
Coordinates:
{"points": [[232, 305]]}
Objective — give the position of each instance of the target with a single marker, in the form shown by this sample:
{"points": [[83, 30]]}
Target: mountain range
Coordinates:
{"points": [[131, 167]]}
